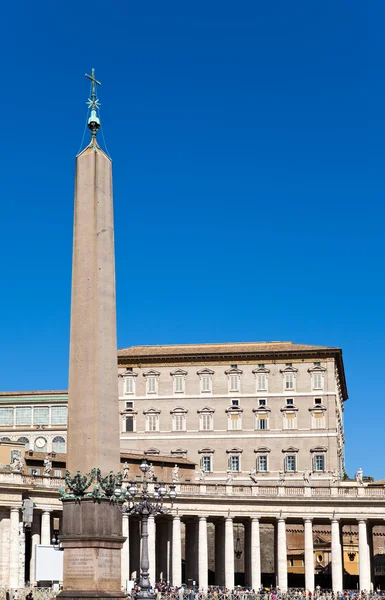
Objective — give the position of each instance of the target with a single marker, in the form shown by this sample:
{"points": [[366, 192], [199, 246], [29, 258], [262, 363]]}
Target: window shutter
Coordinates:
{"points": [[129, 385], [285, 463]]}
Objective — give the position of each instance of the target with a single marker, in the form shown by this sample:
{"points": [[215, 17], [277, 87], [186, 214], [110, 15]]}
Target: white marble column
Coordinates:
{"points": [[151, 549], [46, 528], [35, 541], [363, 556], [229, 554], [203, 565], [309, 556], [169, 550], [337, 574], [14, 548], [255, 552], [176, 560], [281, 555], [125, 553]]}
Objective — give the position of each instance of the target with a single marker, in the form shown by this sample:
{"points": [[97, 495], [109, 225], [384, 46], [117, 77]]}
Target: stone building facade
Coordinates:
{"points": [[263, 426]]}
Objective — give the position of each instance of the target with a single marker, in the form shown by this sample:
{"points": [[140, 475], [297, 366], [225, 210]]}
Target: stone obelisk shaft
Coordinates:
{"points": [[92, 527], [93, 419]]}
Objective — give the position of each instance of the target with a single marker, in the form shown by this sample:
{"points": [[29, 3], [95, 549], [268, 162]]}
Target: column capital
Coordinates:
{"points": [[335, 520], [363, 521], [14, 509], [281, 519], [308, 520], [203, 518], [255, 519], [228, 518], [176, 517]]}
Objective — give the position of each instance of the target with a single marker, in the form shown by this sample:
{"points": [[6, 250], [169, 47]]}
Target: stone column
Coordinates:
{"points": [[14, 549], [219, 553], [176, 561], [309, 556], [255, 551], [125, 553], [281, 555], [363, 556], [151, 549], [337, 575], [46, 528], [229, 554], [169, 550], [35, 541], [203, 566]]}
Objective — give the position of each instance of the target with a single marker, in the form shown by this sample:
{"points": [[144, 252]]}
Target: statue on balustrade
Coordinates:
{"points": [[17, 462], [281, 475], [201, 475], [126, 469], [175, 474], [306, 477], [151, 473], [335, 476], [359, 477], [253, 475], [47, 466]]}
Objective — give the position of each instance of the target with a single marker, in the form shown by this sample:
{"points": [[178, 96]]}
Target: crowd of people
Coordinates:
{"points": [[164, 591]]}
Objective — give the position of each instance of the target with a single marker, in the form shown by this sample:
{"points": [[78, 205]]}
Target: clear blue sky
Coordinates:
{"points": [[248, 142]]}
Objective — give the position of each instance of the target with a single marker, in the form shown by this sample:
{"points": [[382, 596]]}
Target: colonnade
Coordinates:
{"points": [[166, 542]]}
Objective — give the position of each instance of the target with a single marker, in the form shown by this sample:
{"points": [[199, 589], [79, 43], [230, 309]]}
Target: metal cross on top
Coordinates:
{"points": [[93, 102]]}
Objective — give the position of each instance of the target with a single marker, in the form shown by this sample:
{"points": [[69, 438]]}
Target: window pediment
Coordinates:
{"points": [[289, 408], [206, 410], [179, 410], [234, 409], [206, 451], [288, 370], [261, 409], [262, 449], [260, 370], [290, 449], [178, 372], [317, 408], [179, 452], [129, 411], [234, 371], [205, 372], [152, 452], [319, 449], [128, 373], [151, 373], [151, 411], [234, 451], [317, 369]]}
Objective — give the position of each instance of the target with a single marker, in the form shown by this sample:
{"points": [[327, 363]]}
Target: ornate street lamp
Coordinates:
{"points": [[144, 507]]}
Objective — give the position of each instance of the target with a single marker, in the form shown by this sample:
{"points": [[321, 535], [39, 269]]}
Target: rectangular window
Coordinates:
{"points": [[317, 400], [129, 405], [261, 381], [262, 421], [34, 471], [129, 385], [289, 421], [152, 422], [41, 415], [235, 422], [234, 463], [290, 463], [289, 402], [318, 420], [317, 381], [151, 385], [262, 402], [57, 473], [262, 463], [206, 383], [178, 384], [129, 423], [58, 415], [206, 421], [234, 383], [179, 422], [24, 415], [319, 462], [235, 402], [6, 416], [206, 464], [289, 381]]}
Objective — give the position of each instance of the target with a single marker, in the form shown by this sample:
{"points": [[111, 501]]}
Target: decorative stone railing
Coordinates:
{"points": [[220, 489]]}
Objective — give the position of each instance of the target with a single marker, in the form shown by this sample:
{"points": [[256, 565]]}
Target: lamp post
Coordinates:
{"points": [[144, 507]]}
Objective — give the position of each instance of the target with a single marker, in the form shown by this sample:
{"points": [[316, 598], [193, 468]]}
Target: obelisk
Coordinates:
{"points": [[92, 523]]}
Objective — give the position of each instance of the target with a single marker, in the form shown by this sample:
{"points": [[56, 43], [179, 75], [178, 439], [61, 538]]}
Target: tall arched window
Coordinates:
{"points": [[58, 444], [25, 440]]}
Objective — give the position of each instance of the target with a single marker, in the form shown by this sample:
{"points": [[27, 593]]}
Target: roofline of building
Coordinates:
{"points": [[233, 354]]}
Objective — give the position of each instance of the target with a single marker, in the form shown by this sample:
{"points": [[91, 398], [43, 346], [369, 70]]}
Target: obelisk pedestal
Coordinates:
{"points": [[92, 523]]}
